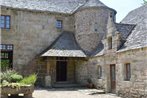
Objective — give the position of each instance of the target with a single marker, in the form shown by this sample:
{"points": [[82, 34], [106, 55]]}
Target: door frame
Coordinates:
{"points": [[59, 63], [112, 78]]}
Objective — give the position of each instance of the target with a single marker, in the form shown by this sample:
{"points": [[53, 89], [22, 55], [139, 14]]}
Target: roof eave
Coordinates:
{"points": [[35, 10]]}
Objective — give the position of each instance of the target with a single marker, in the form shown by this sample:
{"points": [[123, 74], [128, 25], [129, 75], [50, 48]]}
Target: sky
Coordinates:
{"points": [[123, 7]]}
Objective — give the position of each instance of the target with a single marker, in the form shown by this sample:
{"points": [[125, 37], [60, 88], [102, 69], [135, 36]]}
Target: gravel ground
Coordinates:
{"points": [[68, 93]]}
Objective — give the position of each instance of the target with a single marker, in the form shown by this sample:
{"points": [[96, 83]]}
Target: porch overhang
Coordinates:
{"points": [[64, 46], [63, 53]]}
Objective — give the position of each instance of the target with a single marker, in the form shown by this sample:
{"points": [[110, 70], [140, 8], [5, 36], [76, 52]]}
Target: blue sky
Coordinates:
{"points": [[123, 7]]}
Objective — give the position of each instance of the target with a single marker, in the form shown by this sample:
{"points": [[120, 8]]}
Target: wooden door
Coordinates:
{"points": [[113, 78], [61, 71]]}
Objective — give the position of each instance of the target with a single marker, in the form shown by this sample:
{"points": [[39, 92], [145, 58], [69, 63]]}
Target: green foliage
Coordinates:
{"points": [[4, 64], [11, 78], [16, 78], [30, 80], [7, 75], [145, 1], [5, 82]]}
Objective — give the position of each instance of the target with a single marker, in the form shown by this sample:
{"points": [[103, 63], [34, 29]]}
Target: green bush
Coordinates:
{"points": [[30, 80], [7, 75], [16, 78]]}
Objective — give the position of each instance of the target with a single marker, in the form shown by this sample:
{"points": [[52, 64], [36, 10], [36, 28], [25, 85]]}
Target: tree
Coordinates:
{"points": [[144, 1]]}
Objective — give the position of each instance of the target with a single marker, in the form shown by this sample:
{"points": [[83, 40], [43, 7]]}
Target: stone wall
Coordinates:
{"points": [[88, 69], [31, 33], [71, 70], [41, 71], [137, 86], [81, 72]]}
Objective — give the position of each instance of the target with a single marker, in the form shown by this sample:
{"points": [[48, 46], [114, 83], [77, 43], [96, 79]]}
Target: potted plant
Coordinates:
{"points": [[13, 83], [90, 84]]}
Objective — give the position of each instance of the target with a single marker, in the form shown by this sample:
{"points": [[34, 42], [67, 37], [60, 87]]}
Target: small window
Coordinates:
{"points": [[59, 24], [6, 56], [127, 71], [99, 72], [110, 43], [5, 22]]}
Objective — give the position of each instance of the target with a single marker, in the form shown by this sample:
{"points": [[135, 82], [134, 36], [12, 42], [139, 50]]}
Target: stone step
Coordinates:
{"points": [[66, 85]]}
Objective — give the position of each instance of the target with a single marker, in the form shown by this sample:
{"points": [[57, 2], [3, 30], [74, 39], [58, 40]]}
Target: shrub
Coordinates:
{"points": [[30, 80], [16, 78], [7, 75]]}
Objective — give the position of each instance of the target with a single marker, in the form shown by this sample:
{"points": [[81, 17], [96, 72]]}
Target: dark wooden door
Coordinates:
{"points": [[61, 71], [113, 78]]}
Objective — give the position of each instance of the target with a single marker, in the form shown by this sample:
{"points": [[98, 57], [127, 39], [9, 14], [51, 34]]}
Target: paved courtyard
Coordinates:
{"points": [[69, 93]]}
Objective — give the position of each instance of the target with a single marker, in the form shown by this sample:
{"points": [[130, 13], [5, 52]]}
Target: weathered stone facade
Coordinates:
{"points": [[94, 40], [32, 32]]}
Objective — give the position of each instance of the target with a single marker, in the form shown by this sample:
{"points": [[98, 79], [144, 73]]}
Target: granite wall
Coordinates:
{"points": [[31, 33]]}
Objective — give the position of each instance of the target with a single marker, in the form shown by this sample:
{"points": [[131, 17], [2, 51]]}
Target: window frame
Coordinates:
{"points": [[5, 22], [57, 24], [127, 72], [99, 71], [7, 53], [110, 43]]}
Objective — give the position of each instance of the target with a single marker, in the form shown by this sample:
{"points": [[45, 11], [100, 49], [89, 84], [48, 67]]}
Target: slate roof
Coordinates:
{"points": [[99, 51], [138, 36], [65, 46], [124, 29], [93, 3], [59, 6]]}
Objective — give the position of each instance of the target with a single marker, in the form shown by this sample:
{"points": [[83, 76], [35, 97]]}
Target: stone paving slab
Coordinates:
{"points": [[91, 91], [68, 93]]}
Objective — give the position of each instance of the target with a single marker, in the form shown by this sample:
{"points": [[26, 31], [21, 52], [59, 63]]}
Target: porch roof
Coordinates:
{"points": [[66, 46]]}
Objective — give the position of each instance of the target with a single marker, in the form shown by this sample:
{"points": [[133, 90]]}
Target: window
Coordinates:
{"points": [[6, 47], [59, 24], [110, 43], [6, 56], [99, 72], [5, 22], [127, 70]]}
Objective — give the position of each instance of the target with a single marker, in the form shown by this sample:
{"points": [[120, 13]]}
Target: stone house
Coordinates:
{"points": [[73, 41]]}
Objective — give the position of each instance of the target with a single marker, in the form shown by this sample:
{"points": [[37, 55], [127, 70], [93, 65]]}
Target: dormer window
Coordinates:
{"points": [[59, 24], [5, 21], [110, 43]]}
